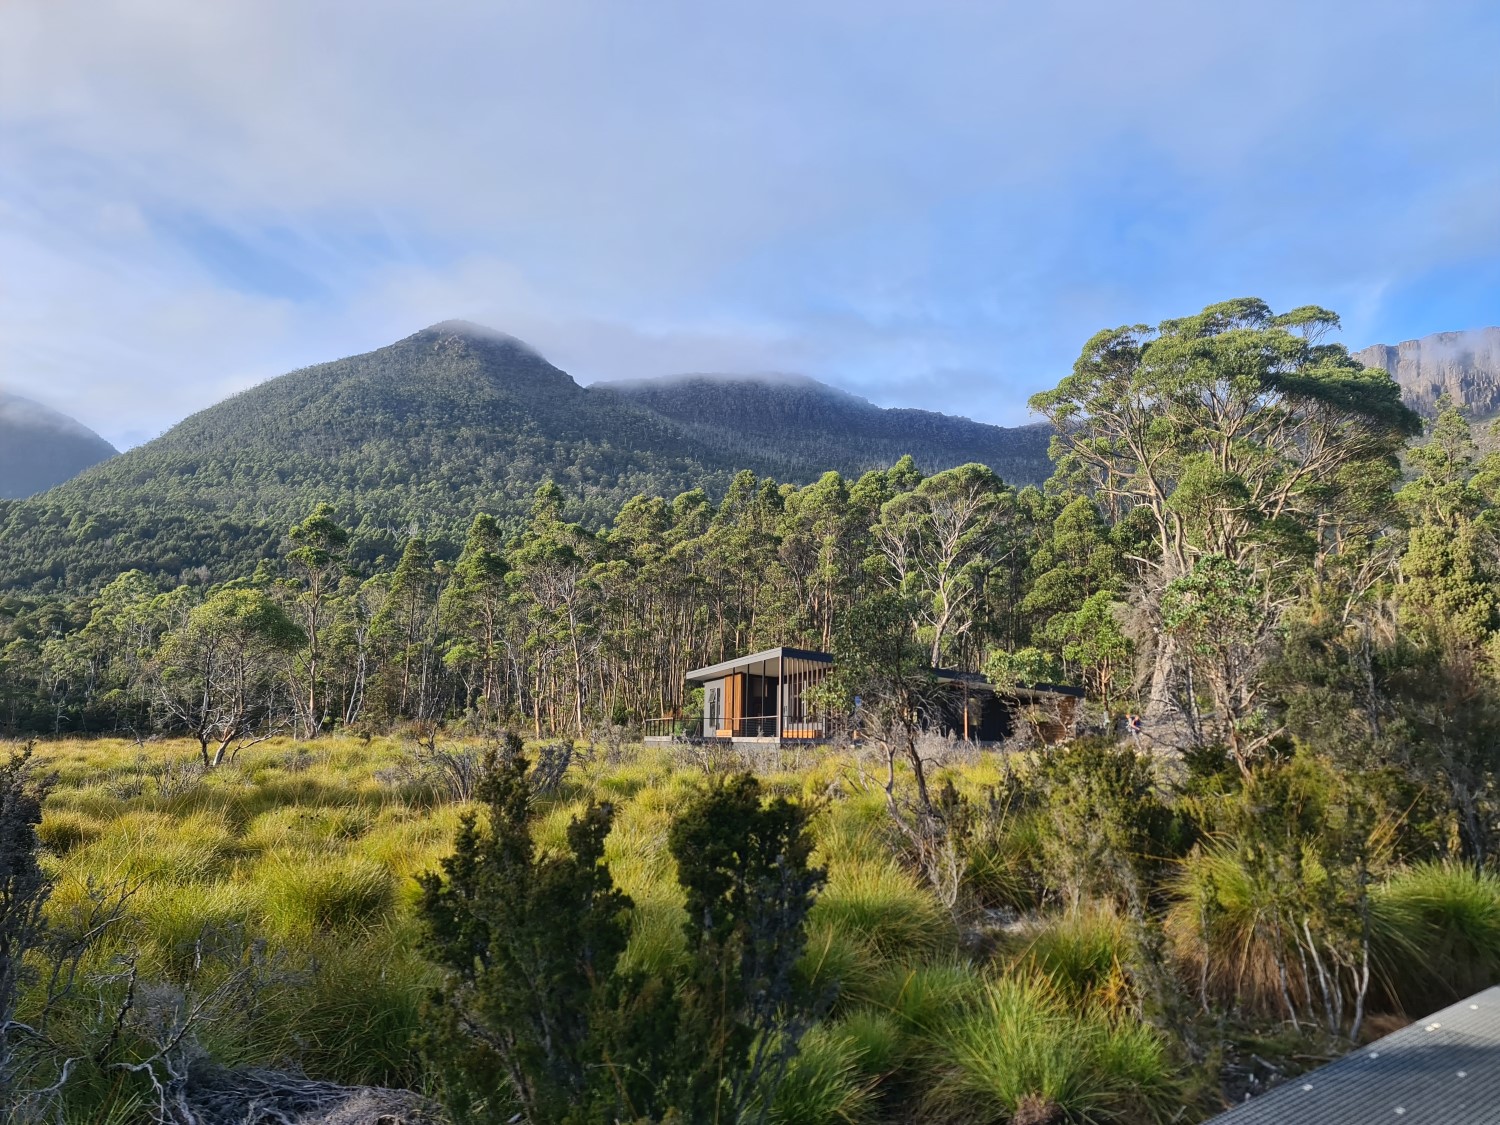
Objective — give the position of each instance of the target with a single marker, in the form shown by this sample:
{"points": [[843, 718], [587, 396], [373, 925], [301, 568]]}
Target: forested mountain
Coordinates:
{"points": [[40, 447], [811, 421], [1464, 366], [419, 435]]}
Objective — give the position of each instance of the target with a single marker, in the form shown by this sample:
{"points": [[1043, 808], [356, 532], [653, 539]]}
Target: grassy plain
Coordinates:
{"points": [[291, 872]]}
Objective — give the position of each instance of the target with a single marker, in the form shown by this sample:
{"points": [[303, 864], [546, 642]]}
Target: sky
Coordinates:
{"points": [[929, 203]]}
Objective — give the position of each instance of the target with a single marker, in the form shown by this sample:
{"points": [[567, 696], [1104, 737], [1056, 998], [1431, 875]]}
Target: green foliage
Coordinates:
{"points": [[544, 1011], [1111, 836], [425, 432], [1437, 934], [525, 940], [1275, 909], [1024, 1052]]}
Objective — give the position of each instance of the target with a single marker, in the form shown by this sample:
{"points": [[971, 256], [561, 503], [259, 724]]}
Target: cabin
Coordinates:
{"points": [[763, 698]]}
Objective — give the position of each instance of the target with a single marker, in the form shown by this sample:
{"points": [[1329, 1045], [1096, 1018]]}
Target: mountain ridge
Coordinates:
{"points": [[41, 447], [1464, 366], [420, 434]]}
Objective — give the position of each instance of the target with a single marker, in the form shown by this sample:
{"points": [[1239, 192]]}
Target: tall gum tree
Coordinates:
{"points": [[1243, 435]]}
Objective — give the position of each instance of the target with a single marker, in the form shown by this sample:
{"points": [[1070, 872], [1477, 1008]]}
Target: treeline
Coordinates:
{"points": [[557, 629], [1229, 545], [422, 434]]}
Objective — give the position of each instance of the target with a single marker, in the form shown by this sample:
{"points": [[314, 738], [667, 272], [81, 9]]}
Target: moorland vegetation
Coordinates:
{"points": [[1246, 541]]}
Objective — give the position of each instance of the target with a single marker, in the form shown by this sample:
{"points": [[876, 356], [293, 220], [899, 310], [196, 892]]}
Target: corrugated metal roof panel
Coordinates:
{"points": [[1443, 1070]]}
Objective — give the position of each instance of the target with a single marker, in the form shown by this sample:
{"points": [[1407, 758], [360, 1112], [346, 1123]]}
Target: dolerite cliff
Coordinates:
{"points": [[1465, 366]]}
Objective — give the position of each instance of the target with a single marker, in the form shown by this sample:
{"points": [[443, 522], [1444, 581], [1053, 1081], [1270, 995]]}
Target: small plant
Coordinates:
{"points": [[544, 1016], [1023, 1053]]}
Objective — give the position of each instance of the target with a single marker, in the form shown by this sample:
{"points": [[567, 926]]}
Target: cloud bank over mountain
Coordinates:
{"points": [[930, 204]]}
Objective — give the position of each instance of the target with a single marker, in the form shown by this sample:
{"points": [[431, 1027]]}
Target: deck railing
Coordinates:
{"points": [[672, 727], [749, 726]]}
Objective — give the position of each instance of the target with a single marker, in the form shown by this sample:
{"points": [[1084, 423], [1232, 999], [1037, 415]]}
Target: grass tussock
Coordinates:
{"points": [[884, 906], [1025, 1050], [1437, 934], [1082, 954], [303, 858]]}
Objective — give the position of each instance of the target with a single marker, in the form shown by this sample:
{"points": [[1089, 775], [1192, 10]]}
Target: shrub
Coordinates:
{"points": [[886, 908], [1437, 934], [1025, 1050], [1109, 835]]}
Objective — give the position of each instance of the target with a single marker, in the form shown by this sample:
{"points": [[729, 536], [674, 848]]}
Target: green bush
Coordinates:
{"points": [[1437, 934], [885, 907], [1025, 1049]]}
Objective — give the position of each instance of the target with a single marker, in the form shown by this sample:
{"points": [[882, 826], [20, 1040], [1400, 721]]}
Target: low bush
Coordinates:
{"points": [[1437, 934], [1024, 1052], [885, 907]]}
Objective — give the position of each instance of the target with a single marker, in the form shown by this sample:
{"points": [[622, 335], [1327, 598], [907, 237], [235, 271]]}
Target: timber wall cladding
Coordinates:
{"points": [[734, 703]]}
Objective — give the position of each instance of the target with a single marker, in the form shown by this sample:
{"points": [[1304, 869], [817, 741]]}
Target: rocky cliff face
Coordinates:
{"points": [[1465, 366]]}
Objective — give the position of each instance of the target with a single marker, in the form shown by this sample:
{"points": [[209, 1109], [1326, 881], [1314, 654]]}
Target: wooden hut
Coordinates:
{"points": [[763, 698]]}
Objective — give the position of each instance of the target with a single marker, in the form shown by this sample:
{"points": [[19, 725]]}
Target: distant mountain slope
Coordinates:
{"points": [[420, 435], [1465, 366], [40, 448], [813, 422]]}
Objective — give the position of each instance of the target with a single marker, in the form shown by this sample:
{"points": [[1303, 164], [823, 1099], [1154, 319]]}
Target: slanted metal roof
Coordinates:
{"points": [[713, 671], [1443, 1070]]}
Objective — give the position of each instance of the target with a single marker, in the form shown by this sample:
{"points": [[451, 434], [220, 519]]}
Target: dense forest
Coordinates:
{"points": [[1248, 542], [414, 438]]}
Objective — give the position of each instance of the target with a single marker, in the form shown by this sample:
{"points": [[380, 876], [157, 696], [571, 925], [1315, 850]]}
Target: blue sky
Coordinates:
{"points": [[928, 203]]}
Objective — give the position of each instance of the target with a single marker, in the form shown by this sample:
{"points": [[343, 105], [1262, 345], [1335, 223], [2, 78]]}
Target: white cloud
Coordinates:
{"points": [[197, 195]]}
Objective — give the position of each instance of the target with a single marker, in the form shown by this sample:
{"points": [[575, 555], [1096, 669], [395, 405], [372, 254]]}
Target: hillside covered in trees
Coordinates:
{"points": [[416, 437]]}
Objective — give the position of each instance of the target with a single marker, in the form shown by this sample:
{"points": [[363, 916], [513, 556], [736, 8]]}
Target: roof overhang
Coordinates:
{"points": [[746, 663]]}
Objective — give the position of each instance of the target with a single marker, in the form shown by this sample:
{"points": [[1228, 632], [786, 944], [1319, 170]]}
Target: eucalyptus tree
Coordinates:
{"points": [[550, 582], [407, 626], [939, 542], [474, 610], [1451, 565], [218, 674], [317, 562], [1241, 435]]}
